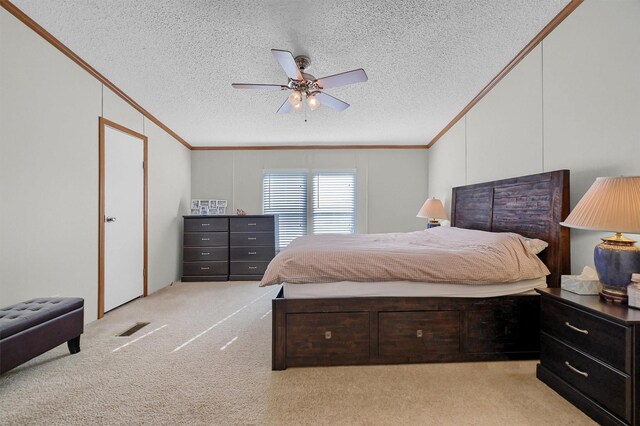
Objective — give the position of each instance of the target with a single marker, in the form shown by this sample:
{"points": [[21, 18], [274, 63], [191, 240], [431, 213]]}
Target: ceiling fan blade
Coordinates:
{"points": [[331, 102], [259, 86], [288, 64], [285, 108], [342, 79]]}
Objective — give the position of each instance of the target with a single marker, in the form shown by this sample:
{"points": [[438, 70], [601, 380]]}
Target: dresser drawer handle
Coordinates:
{"points": [[251, 224], [206, 224], [205, 239], [252, 252], [204, 268], [205, 254], [253, 267], [575, 370], [579, 330], [252, 238]]}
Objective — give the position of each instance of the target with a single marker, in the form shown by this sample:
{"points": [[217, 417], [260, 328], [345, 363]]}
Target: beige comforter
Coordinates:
{"points": [[443, 254]]}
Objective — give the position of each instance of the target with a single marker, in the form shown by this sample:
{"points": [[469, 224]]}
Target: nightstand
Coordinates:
{"points": [[590, 354]]}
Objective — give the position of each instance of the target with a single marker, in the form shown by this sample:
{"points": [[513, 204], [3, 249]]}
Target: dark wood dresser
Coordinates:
{"points": [[590, 354], [252, 245], [219, 248], [205, 248]]}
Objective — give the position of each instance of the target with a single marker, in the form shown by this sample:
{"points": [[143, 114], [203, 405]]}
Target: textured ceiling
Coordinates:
{"points": [[425, 60]]}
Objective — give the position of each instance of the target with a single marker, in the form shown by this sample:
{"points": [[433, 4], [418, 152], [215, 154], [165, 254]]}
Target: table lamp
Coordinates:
{"points": [[612, 204], [433, 210]]}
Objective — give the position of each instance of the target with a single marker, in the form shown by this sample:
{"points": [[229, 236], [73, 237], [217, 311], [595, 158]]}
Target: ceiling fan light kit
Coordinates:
{"points": [[305, 85]]}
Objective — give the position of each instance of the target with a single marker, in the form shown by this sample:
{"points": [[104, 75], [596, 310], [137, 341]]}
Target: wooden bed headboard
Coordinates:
{"points": [[532, 206]]}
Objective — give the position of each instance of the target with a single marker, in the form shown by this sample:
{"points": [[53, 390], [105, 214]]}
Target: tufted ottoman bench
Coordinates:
{"points": [[31, 328]]}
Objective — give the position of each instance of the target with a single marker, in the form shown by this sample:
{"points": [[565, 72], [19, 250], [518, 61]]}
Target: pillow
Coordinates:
{"points": [[535, 245]]}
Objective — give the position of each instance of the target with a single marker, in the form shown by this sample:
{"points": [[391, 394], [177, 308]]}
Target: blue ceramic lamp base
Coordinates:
{"points": [[616, 258]]}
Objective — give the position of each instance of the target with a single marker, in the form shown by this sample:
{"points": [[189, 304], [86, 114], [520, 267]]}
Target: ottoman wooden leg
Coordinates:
{"points": [[74, 345]]}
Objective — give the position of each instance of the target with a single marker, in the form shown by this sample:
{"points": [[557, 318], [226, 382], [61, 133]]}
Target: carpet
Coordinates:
{"points": [[205, 359]]}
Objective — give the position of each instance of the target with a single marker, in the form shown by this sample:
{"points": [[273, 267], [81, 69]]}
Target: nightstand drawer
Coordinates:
{"points": [[206, 239], [595, 336], [596, 380], [206, 224], [252, 224], [205, 268]]}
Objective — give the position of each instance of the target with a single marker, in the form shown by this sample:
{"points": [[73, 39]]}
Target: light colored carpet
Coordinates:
{"points": [[147, 382]]}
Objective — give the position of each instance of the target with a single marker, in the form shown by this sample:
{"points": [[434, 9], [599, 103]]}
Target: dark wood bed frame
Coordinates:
{"points": [[391, 330]]}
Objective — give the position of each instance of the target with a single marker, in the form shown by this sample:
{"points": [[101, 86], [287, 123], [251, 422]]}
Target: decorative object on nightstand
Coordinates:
{"points": [[586, 283], [433, 210], [633, 291], [612, 204]]}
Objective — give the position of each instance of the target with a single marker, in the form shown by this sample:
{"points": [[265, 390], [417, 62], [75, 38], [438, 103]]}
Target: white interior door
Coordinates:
{"points": [[124, 217]]}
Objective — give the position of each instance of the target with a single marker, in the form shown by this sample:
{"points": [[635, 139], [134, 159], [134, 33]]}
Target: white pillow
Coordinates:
{"points": [[535, 245]]}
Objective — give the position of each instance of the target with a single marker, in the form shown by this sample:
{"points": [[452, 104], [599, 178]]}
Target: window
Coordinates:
{"points": [[332, 198], [334, 202], [285, 193]]}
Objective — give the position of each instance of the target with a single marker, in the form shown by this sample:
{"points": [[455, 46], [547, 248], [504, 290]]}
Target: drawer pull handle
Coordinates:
{"points": [[327, 335], [206, 224], [251, 224], [251, 238], [205, 254], [253, 267], [204, 268], [419, 334], [579, 330], [252, 252], [575, 370], [205, 239]]}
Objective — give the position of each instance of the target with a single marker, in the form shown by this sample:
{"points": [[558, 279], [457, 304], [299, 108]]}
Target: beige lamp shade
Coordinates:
{"points": [[432, 209], [611, 204]]}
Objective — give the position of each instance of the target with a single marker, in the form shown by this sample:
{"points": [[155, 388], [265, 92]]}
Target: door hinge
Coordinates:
{"points": [[143, 164]]}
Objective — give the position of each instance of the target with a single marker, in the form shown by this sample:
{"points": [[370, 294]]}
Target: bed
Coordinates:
{"points": [[313, 330]]}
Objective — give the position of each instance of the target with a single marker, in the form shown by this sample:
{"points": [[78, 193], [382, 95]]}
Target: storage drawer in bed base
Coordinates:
{"points": [[404, 330]]}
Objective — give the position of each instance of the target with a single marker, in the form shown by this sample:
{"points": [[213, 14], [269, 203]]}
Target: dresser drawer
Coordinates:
{"points": [[252, 239], [206, 239], [205, 268], [252, 224], [252, 253], [248, 268], [194, 254], [595, 336], [596, 380], [328, 335], [418, 333], [206, 224]]}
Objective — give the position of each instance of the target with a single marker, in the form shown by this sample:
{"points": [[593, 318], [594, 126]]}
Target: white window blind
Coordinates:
{"points": [[285, 193], [334, 202]]}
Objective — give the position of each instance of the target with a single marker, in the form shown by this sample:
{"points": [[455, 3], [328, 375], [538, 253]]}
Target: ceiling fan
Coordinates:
{"points": [[305, 85]]}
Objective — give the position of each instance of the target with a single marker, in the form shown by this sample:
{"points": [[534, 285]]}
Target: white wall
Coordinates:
{"points": [[49, 109], [572, 103], [391, 183], [169, 197]]}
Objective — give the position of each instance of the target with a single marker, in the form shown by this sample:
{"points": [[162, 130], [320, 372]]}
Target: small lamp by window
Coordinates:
{"points": [[433, 210], [612, 204]]}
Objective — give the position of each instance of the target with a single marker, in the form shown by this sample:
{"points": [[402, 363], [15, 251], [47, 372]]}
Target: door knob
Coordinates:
{"points": [[109, 219]]}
